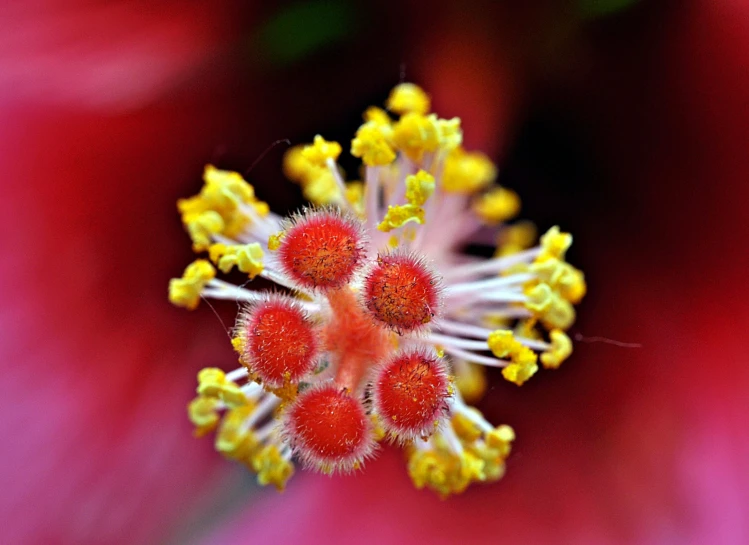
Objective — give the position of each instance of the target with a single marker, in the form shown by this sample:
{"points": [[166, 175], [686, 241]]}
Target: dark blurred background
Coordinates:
{"points": [[624, 121]]}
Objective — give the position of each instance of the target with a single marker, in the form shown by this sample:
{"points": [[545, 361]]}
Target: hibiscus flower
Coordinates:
{"points": [[619, 445]]}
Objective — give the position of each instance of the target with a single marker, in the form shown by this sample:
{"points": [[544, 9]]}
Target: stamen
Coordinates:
{"points": [[358, 351], [492, 266]]}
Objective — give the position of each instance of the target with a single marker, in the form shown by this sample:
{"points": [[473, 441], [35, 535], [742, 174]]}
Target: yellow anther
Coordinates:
{"points": [[248, 258], [225, 197], [203, 413], [561, 348], [212, 382], [471, 470], [522, 364], [203, 227], [562, 277], [320, 151], [451, 134], [271, 467], [419, 187], [393, 241], [465, 428], [372, 144], [471, 381], [498, 205], [494, 466], [467, 172], [233, 439], [500, 439], [225, 191], [552, 310], [444, 472], [502, 343], [296, 166], [399, 215], [215, 251], [515, 238], [185, 292], [527, 328], [554, 244], [238, 344], [415, 134], [377, 115], [321, 188], [274, 241], [406, 98], [287, 392], [520, 371]]}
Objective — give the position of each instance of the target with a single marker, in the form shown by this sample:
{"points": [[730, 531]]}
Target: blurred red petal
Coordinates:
{"points": [[113, 55], [97, 370]]}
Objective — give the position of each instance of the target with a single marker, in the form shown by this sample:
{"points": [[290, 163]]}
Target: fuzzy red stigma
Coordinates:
{"points": [[329, 429], [280, 343], [322, 250], [401, 292], [410, 394]]}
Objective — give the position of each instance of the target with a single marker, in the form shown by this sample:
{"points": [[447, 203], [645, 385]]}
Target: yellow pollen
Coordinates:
{"points": [[233, 440], [202, 227], [274, 241], [552, 310], [467, 172], [515, 238], [185, 291], [497, 206], [561, 348], [451, 135], [212, 382], [219, 207], [372, 144], [296, 166], [419, 187], [465, 428], [400, 214], [562, 277], [408, 98], [522, 359], [554, 244], [203, 413], [271, 467], [248, 258], [320, 151], [377, 115], [415, 134], [238, 344]]}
